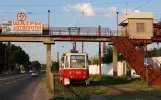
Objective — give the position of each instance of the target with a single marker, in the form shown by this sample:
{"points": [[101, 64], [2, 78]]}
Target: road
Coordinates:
{"points": [[21, 87]]}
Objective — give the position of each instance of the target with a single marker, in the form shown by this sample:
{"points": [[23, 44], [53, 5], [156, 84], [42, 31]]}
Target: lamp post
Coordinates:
{"points": [[49, 21], [117, 23]]}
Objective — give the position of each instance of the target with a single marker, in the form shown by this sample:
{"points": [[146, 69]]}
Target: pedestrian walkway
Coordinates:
{"points": [[43, 93]]}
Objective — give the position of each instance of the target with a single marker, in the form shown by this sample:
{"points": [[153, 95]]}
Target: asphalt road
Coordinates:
{"points": [[21, 87]]}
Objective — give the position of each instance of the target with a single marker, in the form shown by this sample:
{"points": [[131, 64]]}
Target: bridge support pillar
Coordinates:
{"points": [[114, 61], [48, 60], [128, 72]]}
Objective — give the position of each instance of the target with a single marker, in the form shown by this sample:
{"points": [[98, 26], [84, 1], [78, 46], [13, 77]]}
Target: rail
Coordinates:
{"points": [[67, 33]]}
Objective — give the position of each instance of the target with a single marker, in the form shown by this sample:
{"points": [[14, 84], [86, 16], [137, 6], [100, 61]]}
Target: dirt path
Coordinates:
{"points": [[116, 92]]}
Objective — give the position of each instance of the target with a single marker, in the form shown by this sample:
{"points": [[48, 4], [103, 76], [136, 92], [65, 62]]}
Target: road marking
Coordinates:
{"points": [[7, 83], [14, 81], [36, 92], [11, 77], [23, 78]]}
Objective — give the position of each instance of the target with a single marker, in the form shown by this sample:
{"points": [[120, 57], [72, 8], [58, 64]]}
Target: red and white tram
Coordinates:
{"points": [[74, 67]]}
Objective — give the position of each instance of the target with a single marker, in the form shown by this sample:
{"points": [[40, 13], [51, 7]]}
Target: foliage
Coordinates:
{"points": [[98, 86], [95, 61], [154, 52], [107, 57], [12, 55], [43, 66], [35, 65], [47, 83], [55, 66]]}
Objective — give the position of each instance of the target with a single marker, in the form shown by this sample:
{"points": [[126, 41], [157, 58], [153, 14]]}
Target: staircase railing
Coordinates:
{"points": [[155, 64]]}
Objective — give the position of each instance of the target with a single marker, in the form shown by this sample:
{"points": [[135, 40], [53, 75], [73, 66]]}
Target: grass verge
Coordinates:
{"points": [[100, 85], [47, 83]]}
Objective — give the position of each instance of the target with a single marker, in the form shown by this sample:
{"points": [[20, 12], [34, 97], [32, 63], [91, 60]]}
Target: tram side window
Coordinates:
{"points": [[62, 62], [66, 62], [87, 62], [62, 65]]}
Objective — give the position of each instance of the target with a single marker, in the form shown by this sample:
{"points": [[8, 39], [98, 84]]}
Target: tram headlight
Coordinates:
{"points": [[84, 76]]}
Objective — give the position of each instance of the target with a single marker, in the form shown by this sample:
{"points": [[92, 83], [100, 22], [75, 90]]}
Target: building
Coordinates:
{"points": [[138, 25]]}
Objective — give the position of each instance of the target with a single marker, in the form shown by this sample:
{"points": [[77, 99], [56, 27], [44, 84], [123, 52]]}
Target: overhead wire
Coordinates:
{"points": [[137, 8], [141, 6], [35, 5], [119, 2], [1, 18], [82, 14]]}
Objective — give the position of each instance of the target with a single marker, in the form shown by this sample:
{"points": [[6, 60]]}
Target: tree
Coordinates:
{"points": [[108, 53], [55, 66], [35, 65], [95, 61], [154, 52], [2, 56]]}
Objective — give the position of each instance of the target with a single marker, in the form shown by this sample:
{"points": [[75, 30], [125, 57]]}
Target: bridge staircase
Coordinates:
{"points": [[134, 55]]}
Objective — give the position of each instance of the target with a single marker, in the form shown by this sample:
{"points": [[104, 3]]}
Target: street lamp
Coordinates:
{"points": [[117, 23], [49, 20]]}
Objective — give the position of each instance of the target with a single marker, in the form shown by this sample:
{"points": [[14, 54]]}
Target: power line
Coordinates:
{"points": [[119, 2], [82, 14], [138, 7], [79, 19], [30, 13], [1, 18], [141, 5], [59, 5]]}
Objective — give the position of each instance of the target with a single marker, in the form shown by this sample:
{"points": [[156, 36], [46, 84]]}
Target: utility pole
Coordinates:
{"points": [[5, 60], [82, 47], [103, 51], [117, 23], [57, 55], [99, 52], [49, 21]]}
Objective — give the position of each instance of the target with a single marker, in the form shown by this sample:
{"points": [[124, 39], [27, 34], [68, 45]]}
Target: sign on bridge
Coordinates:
{"points": [[21, 26]]}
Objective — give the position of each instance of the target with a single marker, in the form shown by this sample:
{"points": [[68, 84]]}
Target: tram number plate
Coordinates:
{"points": [[78, 72]]}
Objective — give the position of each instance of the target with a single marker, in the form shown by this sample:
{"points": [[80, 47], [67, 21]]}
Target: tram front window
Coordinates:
{"points": [[77, 61]]}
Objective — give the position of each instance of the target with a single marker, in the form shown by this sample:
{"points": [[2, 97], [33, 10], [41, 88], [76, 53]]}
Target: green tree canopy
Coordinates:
{"points": [[108, 53], [55, 66], [35, 65], [11, 55]]}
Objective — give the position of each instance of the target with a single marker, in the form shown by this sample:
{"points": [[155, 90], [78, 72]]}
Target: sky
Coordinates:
{"points": [[63, 14]]}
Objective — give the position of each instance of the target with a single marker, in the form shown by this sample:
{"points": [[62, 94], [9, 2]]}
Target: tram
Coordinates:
{"points": [[74, 68]]}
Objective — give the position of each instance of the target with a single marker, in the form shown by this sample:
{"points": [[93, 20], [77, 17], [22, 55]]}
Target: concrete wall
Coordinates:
{"points": [[107, 69], [132, 28]]}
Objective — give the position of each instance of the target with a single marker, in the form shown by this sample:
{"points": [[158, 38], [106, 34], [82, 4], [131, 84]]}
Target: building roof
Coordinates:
{"points": [[135, 15]]}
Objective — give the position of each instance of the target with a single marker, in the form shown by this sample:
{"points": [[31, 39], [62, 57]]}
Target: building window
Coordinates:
{"points": [[140, 27]]}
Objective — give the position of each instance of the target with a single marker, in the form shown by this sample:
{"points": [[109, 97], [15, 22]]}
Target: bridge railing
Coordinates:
{"points": [[72, 33], [88, 33]]}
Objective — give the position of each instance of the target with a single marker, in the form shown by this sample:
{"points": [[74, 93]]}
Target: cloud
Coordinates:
{"points": [[66, 8], [111, 11], [89, 10], [108, 12], [126, 11], [86, 8]]}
